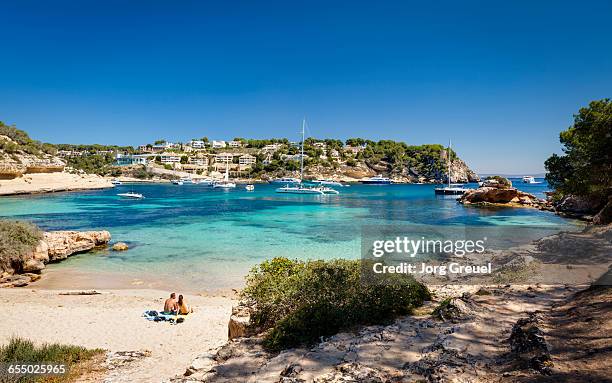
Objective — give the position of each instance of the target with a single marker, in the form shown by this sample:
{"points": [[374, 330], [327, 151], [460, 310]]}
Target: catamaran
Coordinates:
{"points": [[302, 189], [225, 184], [450, 189]]}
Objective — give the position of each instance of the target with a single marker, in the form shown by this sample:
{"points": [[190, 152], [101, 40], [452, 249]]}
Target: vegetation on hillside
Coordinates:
{"points": [[300, 301], [22, 351], [22, 141], [17, 238], [585, 168]]}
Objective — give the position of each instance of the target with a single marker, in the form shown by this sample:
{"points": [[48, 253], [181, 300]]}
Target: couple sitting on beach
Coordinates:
{"points": [[173, 306]]}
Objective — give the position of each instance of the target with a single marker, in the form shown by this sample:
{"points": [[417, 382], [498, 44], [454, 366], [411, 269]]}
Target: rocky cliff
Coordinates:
{"points": [[53, 247], [16, 160]]}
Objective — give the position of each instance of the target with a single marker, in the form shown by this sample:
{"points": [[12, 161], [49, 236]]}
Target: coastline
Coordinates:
{"points": [[39, 183]]}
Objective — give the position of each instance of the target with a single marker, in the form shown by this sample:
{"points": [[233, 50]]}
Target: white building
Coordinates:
{"points": [[294, 157], [247, 160], [234, 144], [197, 144], [224, 157], [170, 158], [130, 159], [218, 144], [201, 161], [271, 147]]}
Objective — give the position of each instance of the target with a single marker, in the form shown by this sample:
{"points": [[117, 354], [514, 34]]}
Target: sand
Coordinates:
{"points": [[113, 321], [52, 182]]}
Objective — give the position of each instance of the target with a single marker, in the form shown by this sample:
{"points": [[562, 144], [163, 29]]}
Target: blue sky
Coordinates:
{"points": [[501, 79]]}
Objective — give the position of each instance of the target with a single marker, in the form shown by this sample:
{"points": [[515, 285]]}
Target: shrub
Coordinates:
{"points": [[16, 240], [301, 301], [24, 351]]}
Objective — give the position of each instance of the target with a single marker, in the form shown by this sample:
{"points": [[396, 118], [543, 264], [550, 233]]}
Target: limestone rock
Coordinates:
{"points": [[120, 246], [65, 243], [238, 325], [32, 266]]}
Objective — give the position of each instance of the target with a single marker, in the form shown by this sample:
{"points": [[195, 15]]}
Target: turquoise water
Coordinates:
{"points": [[210, 238]]}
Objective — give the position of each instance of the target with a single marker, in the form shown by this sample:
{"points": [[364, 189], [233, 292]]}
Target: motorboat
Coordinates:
{"points": [[116, 182], [131, 195], [250, 187], [377, 180], [177, 182], [530, 180]]}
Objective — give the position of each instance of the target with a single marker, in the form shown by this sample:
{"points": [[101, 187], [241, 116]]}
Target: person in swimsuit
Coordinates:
{"points": [[170, 306], [182, 307]]}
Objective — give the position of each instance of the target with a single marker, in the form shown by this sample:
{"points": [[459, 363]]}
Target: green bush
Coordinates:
{"points": [[16, 240], [24, 351], [301, 301]]}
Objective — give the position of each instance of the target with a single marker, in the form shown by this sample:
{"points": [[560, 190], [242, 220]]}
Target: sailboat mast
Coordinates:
{"points": [[302, 156], [227, 170], [449, 163]]}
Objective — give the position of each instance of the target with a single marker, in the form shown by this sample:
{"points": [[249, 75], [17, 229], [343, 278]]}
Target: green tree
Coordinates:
{"points": [[585, 169]]}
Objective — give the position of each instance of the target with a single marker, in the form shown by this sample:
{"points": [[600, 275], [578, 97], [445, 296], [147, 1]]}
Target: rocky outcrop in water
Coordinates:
{"points": [[500, 192], [53, 247]]}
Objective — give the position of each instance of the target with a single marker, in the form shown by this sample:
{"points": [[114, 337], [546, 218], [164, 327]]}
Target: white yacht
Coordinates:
{"points": [[303, 189], [131, 195], [530, 180], [226, 183], [116, 182], [250, 187], [177, 182], [206, 182], [378, 180], [450, 189]]}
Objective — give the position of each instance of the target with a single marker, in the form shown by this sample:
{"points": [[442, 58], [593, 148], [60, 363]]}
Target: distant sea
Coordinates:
{"points": [[199, 238]]}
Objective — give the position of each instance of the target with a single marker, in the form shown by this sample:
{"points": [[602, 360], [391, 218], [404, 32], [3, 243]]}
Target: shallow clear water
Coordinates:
{"points": [[210, 238]]}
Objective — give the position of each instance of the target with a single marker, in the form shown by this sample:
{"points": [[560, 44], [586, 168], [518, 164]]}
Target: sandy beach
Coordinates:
{"points": [[52, 182], [113, 321]]}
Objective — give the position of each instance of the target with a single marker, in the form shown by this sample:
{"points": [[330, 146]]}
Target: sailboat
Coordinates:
{"points": [[450, 189], [225, 184], [300, 188]]}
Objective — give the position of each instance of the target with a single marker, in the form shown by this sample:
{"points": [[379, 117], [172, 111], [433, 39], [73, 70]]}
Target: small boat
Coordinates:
{"points": [[226, 183], [450, 189], [378, 180], [285, 180], [116, 182], [530, 180], [328, 182], [177, 182], [188, 181], [131, 195], [250, 187], [206, 182]]}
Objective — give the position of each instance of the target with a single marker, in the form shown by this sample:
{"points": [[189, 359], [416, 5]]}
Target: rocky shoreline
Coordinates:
{"points": [[55, 246], [474, 330]]}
